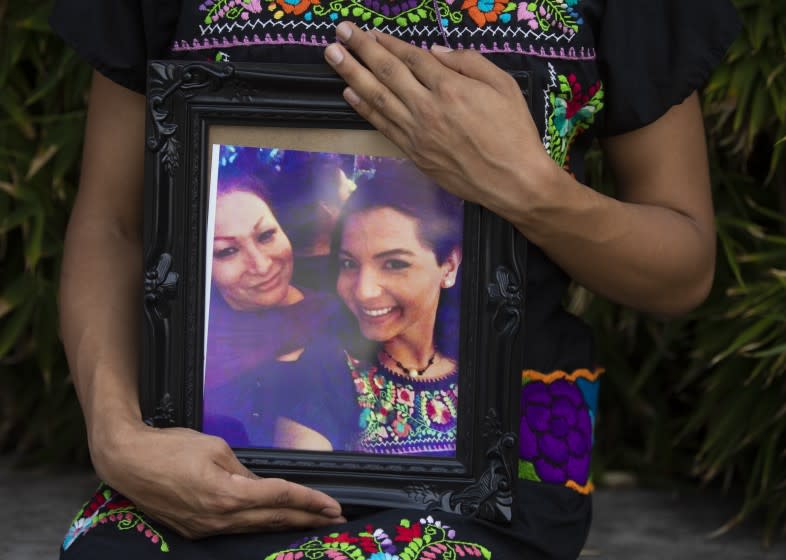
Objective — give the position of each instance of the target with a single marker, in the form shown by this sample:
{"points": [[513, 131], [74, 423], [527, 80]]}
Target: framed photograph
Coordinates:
{"points": [[318, 302]]}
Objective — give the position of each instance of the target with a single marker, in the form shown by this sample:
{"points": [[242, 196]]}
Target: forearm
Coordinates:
{"points": [[649, 257], [99, 294], [101, 277]]}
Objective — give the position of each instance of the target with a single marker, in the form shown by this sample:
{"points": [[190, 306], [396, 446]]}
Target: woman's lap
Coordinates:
{"points": [[111, 527]]}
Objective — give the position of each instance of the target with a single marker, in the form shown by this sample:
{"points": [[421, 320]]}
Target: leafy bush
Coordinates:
{"points": [[42, 95]]}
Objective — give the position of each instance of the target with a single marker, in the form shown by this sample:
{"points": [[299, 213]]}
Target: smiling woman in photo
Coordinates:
{"points": [[397, 246], [261, 326]]}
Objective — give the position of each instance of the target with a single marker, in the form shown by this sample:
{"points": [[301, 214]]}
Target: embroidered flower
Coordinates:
{"points": [[107, 506], [360, 385], [550, 15], [483, 11], [416, 543], [438, 412], [401, 427], [296, 7], [406, 532], [340, 537], [572, 112], [406, 395]]}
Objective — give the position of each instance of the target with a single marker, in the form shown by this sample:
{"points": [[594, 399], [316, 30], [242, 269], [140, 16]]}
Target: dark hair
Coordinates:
{"points": [[399, 185], [230, 182]]}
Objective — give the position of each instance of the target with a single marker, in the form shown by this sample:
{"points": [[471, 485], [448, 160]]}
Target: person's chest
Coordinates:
{"points": [[552, 40]]}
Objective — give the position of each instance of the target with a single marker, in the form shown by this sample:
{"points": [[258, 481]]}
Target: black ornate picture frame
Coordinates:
{"points": [[187, 102]]}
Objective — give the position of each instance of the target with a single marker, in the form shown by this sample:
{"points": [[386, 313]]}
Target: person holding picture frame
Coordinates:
{"points": [[624, 72]]}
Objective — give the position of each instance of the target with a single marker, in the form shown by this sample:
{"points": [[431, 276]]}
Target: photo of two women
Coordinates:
{"points": [[332, 305]]}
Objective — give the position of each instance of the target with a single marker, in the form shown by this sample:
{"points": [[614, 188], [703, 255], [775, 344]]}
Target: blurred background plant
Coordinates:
{"points": [[42, 100], [698, 399]]}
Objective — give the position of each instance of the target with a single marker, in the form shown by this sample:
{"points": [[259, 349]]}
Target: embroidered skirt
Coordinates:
{"points": [[110, 526]]}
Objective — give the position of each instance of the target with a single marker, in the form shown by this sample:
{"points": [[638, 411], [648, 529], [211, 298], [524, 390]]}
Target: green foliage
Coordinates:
{"points": [[42, 89], [704, 396]]}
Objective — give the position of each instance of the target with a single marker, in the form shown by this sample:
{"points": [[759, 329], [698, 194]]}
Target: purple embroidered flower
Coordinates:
{"points": [[556, 431]]}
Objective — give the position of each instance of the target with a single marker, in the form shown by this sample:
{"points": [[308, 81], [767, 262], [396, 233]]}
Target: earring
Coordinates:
{"points": [[448, 283]]}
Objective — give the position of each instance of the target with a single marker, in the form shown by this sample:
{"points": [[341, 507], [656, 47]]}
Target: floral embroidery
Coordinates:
{"points": [[399, 415], [541, 28], [556, 427], [428, 539], [107, 506], [230, 9], [296, 7], [488, 11], [549, 15], [572, 112]]}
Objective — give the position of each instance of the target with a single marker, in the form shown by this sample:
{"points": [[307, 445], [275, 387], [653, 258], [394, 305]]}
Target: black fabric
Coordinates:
{"points": [[652, 55], [554, 532], [118, 37]]}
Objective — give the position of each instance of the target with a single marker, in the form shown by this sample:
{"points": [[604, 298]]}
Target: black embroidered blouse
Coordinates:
{"points": [[599, 67]]}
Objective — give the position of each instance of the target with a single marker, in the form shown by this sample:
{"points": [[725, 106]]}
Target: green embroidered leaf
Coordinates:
{"points": [[377, 21], [414, 18], [422, 13], [527, 471], [345, 11], [357, 11], [164, 547], [510, 7], [564, 85], [402, 21], [405, 523], [366, 16]]}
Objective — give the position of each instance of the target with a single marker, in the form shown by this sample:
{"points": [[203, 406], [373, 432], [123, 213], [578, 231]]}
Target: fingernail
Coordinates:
{"points": [[343, 31], [440, 48], [331, 512], [351, 97], [333, 54]]}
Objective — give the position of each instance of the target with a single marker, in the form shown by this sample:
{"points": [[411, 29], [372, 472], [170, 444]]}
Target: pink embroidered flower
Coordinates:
{"points": [[526, 14], [361, 386], [406, 396], [483, 11], [438, 412]]}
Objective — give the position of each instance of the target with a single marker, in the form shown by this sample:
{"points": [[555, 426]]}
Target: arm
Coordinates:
{"points": [[464, 122], [655, 244], [190, 481]]}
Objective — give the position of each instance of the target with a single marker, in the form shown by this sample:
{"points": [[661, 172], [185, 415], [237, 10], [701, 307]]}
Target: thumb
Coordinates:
{"points": [[472, 64]]}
